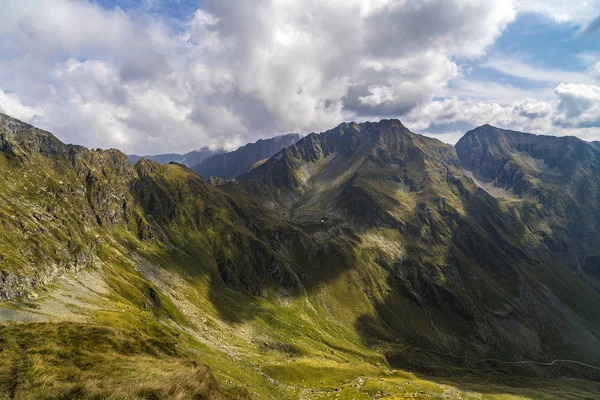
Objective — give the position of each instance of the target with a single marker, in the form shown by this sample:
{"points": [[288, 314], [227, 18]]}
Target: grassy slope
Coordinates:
{"points": [[284, 351]]}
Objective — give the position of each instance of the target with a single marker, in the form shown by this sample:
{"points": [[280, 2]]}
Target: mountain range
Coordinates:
{"points": [[230, 165], [366, 261], [225, 165], [190, 159]]}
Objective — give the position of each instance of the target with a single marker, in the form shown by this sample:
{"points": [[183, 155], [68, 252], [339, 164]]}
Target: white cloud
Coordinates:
{"points": [[513, 66], [234, 70], [579, 12], [11, 105], [458, 27], [445, 115], [576, 110], [579, 106], [493, 92], [595, 70]]}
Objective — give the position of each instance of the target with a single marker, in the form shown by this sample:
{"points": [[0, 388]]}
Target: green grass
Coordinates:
{"points": [[66, 361], [315, 373]]}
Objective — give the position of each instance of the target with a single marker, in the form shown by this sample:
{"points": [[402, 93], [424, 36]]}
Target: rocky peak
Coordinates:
{"points": [[216, 181], [20, 137], [347, 139], [394, 122], [145, 166], [12, 125], [232, 164], [9, 127], [488, 148]]}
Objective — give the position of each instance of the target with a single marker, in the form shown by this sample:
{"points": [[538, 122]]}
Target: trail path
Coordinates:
{"points": [[546, 363], [551, 363]]}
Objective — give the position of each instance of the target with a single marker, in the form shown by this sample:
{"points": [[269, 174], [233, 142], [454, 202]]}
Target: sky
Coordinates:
{"points": [[157, 76]]}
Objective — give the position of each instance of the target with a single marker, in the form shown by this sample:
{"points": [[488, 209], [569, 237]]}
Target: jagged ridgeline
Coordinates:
{"points": [[332, 268]]}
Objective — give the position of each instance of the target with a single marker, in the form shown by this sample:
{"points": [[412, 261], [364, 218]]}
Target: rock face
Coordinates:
{"points": [[216, 181], [378, 227], [230, 165]]}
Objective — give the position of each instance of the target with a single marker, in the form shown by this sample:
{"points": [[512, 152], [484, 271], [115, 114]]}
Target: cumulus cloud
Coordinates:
{"points": [[575, 110], [579, 106], [233, 70], [452, 26], [445, 115], [11, 105]]}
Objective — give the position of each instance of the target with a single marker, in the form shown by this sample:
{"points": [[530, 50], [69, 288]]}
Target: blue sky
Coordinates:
{"points": [[541, 43], [173, 75], [176, 9]]}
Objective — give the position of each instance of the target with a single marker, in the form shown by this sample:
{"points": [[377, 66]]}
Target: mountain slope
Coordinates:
{"points": [[555, 179], [333, 267], [189, 159], [230, 165], [448, 248]]}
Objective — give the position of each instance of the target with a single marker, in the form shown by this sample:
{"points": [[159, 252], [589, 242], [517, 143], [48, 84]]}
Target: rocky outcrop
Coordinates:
{"points": [[14, 285]]}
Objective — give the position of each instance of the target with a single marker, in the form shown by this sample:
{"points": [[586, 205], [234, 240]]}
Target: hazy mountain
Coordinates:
{"points": [[365, 261], [230, 165], [190, 159]]}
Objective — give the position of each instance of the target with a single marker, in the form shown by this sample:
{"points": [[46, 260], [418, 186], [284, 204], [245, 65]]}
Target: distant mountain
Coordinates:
{"points": [[556, 181], [230, 165], [189, 159]]}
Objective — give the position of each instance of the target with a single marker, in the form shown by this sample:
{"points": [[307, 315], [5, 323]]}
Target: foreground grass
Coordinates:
{"points": [[88, 361], [79, 361]]}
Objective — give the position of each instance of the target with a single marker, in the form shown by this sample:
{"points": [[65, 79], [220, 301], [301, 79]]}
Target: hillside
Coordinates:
{"points": [[556, 183], [361, 262], [448, 249], [230, 165]]}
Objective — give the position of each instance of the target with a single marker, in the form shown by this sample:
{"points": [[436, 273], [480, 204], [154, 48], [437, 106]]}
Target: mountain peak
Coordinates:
{"points": [[18, 137], [392, 121], [518, 138], [363, 125], [486, 129], [9, 127], [7, 120]]}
